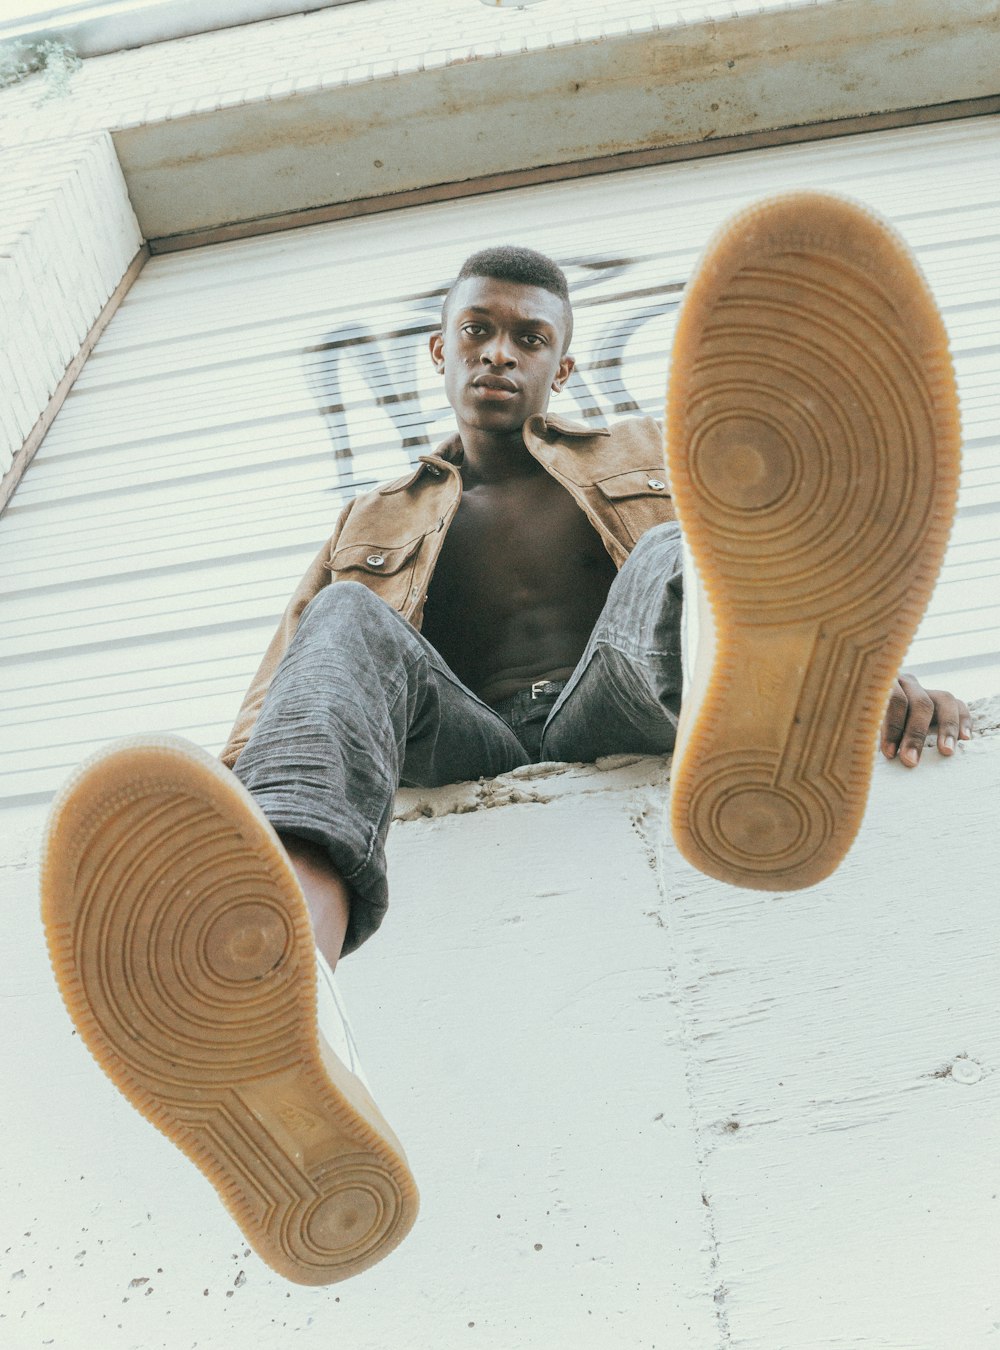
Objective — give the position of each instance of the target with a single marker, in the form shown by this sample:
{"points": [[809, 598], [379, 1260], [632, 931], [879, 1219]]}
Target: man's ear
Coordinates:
{"points": [[436, 345], [566, 367]]}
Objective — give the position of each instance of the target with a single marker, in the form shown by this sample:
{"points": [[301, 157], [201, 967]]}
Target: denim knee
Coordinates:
{"points": [[665, 535], [346, 600]]}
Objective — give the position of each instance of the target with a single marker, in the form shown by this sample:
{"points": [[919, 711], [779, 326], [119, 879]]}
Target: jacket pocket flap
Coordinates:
{"points": [[650, 482], [373, 559]]}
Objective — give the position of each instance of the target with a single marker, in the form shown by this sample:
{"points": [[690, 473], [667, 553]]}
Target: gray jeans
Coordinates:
{"points": [[362, 704]]}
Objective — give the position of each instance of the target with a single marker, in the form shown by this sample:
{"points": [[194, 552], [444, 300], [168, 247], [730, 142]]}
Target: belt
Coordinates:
{"points": [[525, 697]]}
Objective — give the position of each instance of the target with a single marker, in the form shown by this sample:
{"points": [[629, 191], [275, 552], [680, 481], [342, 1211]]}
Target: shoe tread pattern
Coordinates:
{"points": [[183, 949], [813, 450]]}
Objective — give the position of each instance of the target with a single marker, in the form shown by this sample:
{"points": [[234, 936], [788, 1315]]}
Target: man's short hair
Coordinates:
{"points": [[524, 267]]}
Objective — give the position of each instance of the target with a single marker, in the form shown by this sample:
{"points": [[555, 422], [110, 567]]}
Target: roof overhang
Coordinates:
{"points": [[634, 97]]}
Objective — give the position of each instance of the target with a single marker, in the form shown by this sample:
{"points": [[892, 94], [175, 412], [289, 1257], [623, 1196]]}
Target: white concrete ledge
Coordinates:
{"points": [[643, 1108], [534, 783], [553, 781]]}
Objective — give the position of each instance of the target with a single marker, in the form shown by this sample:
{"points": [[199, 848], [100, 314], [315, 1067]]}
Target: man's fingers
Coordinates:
{"points": [[913, 712], [894, 722], [964, 722], [947, 714], [919, 716]]}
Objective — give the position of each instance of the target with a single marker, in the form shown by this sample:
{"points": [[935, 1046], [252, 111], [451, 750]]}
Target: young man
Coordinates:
{"points": [[519, 596]]}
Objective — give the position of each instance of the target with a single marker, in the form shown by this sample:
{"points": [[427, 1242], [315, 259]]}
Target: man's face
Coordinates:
{"points": [[501, 352]]}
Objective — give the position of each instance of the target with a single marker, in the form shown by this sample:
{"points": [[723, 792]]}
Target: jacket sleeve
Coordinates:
{"points": [[316, 577]]}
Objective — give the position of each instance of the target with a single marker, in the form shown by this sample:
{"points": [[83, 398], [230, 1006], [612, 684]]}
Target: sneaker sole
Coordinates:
{"points": [[183, 949], [813, 447]]}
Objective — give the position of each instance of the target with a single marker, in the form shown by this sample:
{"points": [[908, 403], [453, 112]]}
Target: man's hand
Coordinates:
{"points": [[913, 712]]}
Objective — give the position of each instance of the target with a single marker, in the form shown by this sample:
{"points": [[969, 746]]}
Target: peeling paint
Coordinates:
{"points": [[549, 782]]}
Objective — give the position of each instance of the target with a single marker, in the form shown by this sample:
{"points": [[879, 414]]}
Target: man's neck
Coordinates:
{"points": [[490, 457]]}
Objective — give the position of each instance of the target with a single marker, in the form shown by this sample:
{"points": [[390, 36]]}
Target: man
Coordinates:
{"points": [[519, 595]]}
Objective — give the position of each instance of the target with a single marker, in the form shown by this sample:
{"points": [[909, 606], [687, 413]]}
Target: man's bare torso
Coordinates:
{"points": [[519, 585]]}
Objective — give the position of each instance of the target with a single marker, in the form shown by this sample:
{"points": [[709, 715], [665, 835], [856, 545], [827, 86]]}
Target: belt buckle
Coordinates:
{"points": [[539, 687]]}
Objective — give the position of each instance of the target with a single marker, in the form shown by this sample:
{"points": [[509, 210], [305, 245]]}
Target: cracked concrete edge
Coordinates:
{"points": [[548, 781], [534, 783]]}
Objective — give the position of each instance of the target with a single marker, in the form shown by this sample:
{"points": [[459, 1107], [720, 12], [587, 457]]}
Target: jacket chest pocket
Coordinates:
{"points": [[636, 500], [386, 571]]}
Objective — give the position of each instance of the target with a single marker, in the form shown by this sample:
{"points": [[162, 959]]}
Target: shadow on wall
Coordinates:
{"points": [[388, 359]]}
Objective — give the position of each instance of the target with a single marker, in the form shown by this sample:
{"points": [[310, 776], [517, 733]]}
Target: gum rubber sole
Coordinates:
{"points": [[813, 448], [183, 949]]}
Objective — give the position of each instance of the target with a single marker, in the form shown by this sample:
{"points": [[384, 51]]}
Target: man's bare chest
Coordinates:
{"points": [[515, 545]]}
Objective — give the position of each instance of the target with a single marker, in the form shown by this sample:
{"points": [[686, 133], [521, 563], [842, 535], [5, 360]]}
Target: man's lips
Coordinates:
{"points": [[494, 384]]}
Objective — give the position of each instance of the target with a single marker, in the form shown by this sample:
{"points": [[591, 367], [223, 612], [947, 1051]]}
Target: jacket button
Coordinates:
{"points": [[656, 483], [375, 560]]}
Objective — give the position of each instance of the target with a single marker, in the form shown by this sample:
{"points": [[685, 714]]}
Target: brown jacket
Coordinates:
{"points": [[389, 539]]}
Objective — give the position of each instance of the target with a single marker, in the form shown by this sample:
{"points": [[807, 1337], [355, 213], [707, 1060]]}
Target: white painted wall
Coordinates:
{"points": [[67, 236]]}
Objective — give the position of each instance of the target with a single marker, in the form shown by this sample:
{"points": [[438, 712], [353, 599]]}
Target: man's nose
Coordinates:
{"points": [[499, 351]]}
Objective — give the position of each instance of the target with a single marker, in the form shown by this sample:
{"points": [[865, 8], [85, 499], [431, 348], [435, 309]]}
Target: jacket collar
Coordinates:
{"points": [[543, 426]]}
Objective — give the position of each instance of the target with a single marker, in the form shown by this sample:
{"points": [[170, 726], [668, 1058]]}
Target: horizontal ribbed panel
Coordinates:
{"points": [[192, 472], [67, 236]]}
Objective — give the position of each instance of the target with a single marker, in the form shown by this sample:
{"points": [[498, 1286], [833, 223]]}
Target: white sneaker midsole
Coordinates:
{"points": [[332, 1020]]}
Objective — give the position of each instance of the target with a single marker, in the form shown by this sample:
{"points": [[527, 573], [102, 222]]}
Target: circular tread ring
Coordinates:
{"points": [[185, 951], [356, 1210], [740, 816], [811, 437]]}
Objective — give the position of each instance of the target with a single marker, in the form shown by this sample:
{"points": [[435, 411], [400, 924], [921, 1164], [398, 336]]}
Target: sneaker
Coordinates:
{"points": [[813, 444], [183, 948]]}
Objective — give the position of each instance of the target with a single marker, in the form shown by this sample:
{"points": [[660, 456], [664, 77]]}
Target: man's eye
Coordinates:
{"points": [[473, 329], [534, 339]]}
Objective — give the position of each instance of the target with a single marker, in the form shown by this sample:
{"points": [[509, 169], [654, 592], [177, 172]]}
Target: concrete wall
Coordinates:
{"points": [[645, 1110]]}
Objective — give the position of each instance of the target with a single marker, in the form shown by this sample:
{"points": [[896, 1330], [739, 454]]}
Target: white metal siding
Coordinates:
{"points": [[67, 236], [244, 391]]}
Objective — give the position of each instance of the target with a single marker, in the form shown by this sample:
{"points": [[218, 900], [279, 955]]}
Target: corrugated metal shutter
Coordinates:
{"points": [[244, 391]]}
